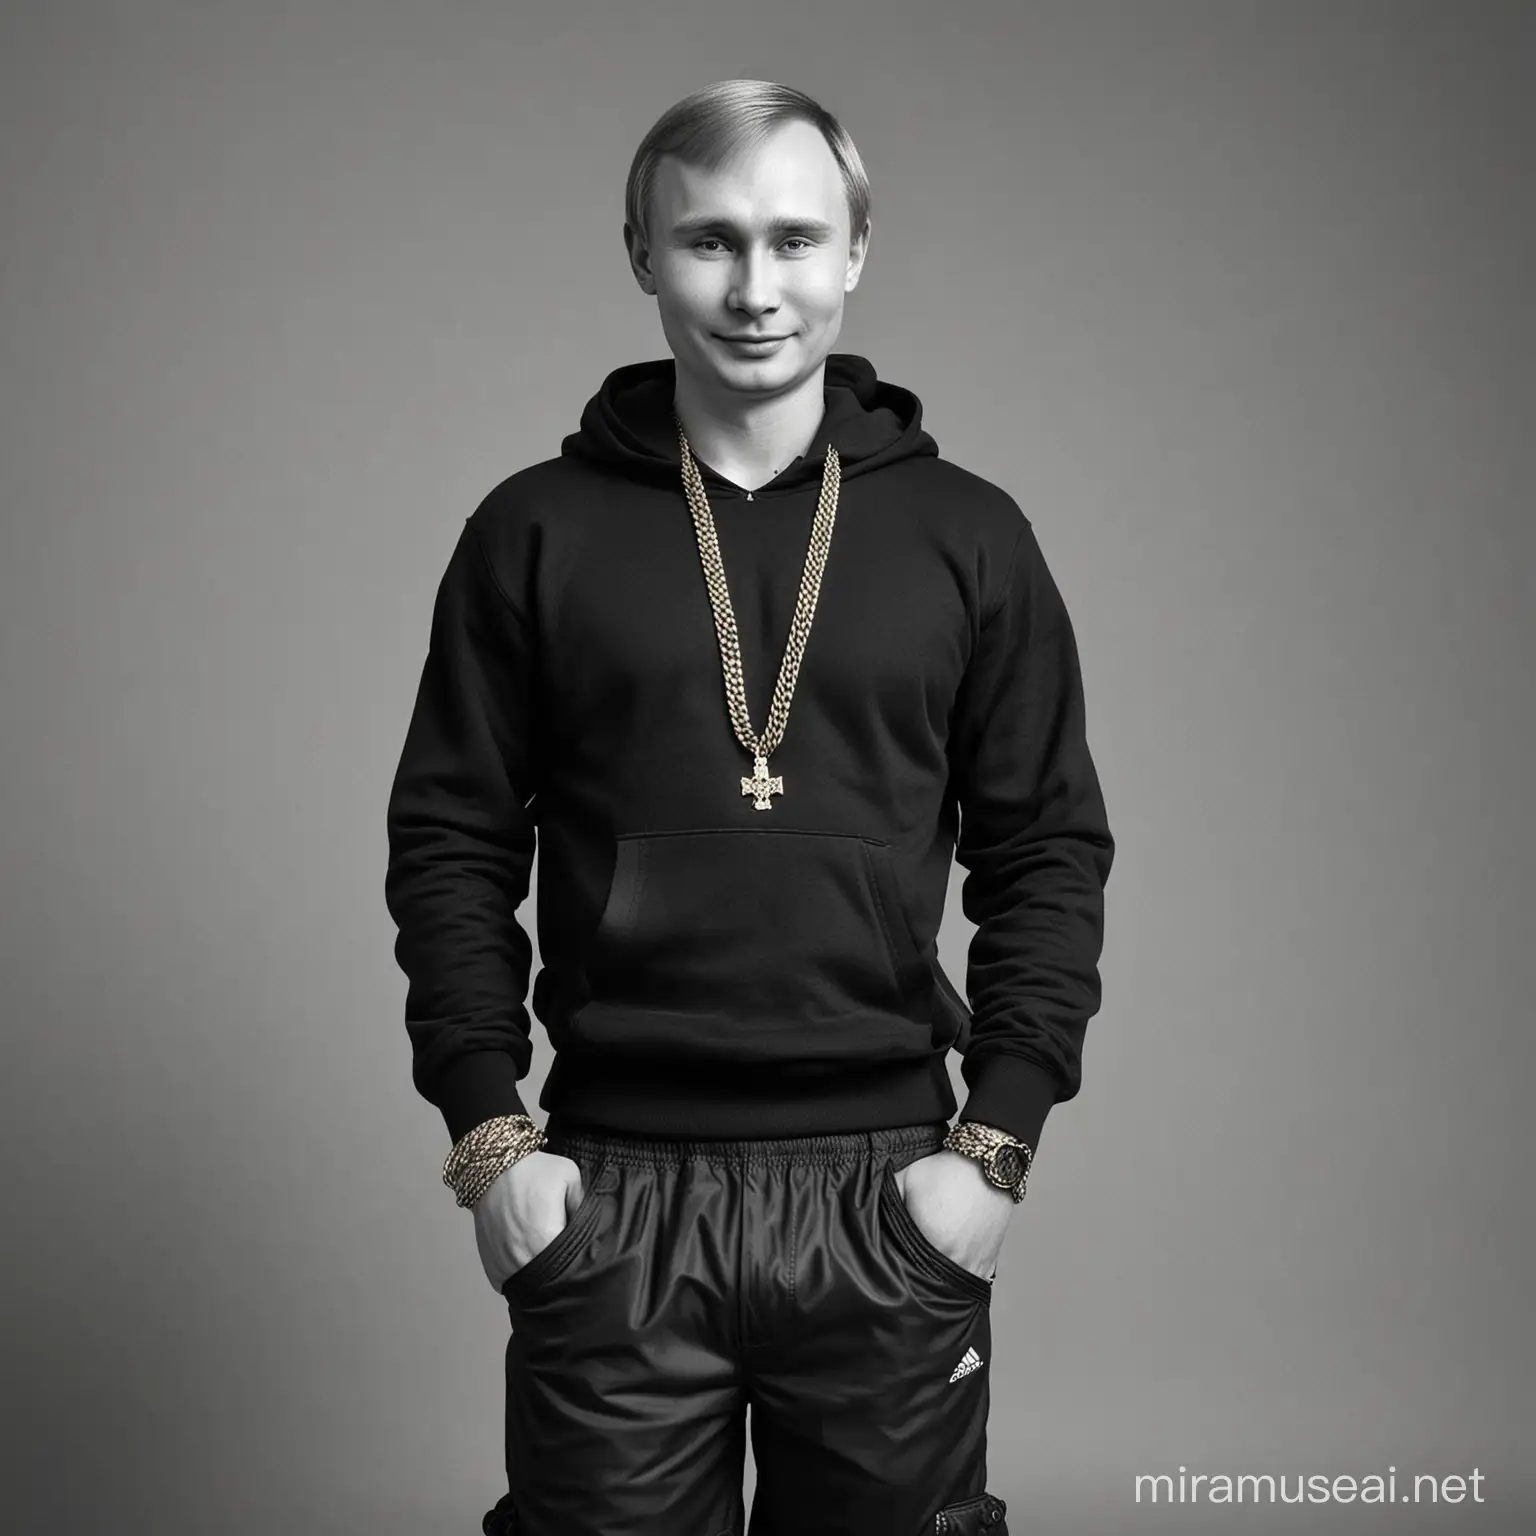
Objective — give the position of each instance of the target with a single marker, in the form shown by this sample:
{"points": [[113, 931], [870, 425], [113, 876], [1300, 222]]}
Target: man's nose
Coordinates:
{"points": [[756, 287]]}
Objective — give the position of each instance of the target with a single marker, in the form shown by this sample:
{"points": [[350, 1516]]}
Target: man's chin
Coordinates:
{"points": [[753, 376]]}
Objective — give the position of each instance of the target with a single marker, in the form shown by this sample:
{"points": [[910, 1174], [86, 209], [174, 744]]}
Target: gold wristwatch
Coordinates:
{"points": [[1004, 1159]]}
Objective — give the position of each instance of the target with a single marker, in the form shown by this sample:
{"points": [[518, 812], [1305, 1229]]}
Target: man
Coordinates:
{"points": [[747, 1190]]}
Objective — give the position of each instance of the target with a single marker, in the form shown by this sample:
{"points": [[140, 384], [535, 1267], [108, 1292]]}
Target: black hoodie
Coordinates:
{"points": [[710, 969]]}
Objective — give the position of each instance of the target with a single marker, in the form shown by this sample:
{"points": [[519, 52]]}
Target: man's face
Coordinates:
{"points": [[758, 247]]}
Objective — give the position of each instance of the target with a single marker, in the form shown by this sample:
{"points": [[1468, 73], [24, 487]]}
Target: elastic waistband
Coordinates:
{"points": [[587, 1144]]}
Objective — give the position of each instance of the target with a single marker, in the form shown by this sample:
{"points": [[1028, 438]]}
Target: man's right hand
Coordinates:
{"points": [[524, 1211]]}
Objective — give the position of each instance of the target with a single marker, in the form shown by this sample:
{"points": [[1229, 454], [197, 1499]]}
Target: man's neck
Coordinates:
{"points": [[750, 441]]}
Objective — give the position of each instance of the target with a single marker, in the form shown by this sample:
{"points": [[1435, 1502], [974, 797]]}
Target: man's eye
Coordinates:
{"points": [[708, 240]]}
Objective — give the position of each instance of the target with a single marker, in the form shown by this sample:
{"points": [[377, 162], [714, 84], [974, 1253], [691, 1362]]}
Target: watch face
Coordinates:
{"points": [[1008, 1166]]}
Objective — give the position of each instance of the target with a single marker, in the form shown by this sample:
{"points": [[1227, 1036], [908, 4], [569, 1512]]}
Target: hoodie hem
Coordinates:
{"points": [[635, 1098]]}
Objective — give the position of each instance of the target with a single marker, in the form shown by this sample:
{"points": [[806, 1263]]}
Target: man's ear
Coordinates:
{"points": [[639, 259], [858, 249]]}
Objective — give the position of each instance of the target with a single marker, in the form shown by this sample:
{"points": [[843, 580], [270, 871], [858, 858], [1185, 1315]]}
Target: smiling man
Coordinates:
{"points": [[752, 664]]}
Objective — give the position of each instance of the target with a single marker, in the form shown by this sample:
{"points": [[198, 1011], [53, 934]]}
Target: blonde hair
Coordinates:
{"points": [[709, 126]]}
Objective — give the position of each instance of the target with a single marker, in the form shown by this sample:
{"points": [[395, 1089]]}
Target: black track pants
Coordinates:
{"points": [[699, 1277]]}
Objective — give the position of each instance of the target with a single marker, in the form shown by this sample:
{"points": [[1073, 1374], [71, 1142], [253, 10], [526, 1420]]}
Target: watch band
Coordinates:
{"points": [[984, 1143]]}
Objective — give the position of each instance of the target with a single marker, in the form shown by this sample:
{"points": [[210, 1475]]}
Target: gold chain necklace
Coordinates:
{"points": [[760, 784]]}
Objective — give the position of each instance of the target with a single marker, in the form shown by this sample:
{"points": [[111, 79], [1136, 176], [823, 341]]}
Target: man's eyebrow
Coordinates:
{"points": [[780, 226]]}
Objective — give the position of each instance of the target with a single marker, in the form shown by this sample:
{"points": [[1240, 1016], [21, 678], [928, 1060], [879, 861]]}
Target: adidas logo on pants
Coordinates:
{"points": [[969, 1361]]}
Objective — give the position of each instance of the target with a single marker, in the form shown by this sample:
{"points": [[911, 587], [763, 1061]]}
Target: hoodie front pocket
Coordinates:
{"points": [[748, 943]]}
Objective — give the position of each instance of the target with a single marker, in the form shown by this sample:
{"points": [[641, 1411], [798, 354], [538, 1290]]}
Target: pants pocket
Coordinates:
{"points": [[985, 1515], [899, 1226], [557, 1256]]}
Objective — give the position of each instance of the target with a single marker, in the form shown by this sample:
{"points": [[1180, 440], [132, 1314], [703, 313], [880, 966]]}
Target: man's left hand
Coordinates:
{"points": [[957, 1208]]}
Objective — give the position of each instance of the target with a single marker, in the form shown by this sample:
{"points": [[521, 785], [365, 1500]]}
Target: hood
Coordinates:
{"points": [[627, 426]]}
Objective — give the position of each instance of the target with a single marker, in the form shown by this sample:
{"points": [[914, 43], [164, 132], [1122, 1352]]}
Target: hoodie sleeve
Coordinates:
{"points": [[461, 847], [1036, 845]]}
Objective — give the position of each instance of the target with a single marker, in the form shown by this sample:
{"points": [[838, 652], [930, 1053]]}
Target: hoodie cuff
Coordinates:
{"points": [[1013, 1095], [474, 1088]]}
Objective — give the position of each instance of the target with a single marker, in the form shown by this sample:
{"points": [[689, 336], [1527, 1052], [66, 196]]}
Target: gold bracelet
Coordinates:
{"points": [[480, 1156]]}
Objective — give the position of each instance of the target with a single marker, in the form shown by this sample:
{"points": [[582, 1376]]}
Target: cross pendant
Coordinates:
{"points": [[761, 785]]}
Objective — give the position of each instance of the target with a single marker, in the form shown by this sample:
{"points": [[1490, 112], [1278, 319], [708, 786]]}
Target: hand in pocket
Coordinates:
{"points": [[954, 1206], [524, 1211]]}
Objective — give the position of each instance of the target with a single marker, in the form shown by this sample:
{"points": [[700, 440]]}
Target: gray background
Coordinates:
{"points": [[1235, 299]]}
